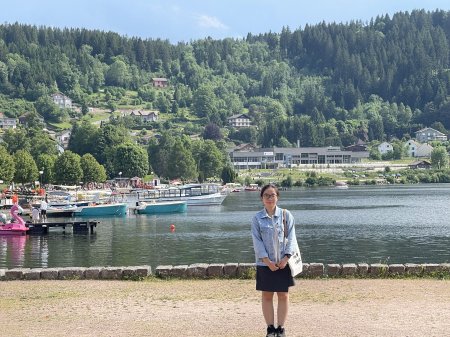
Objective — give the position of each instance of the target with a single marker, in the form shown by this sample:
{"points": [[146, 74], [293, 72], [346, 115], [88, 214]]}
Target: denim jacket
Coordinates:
{"points": [[268, 236]]}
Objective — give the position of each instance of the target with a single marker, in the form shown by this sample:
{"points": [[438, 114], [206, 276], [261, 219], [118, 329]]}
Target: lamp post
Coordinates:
{"points": [[120, 177], [41, 172]]}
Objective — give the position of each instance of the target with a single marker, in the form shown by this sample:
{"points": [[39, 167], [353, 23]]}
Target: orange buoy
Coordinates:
{"points": [[172, 228], [15, 198]]}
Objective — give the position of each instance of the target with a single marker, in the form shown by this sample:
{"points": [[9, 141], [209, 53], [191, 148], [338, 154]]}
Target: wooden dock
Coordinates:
{"points": [[86, 226]]}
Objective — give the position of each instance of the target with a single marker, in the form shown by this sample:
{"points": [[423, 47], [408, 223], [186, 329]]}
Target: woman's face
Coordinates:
{"points": [[269, 198]]}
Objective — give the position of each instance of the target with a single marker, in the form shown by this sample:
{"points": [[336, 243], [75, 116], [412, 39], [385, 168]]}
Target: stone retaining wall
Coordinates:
{"points": [[216, 270]]}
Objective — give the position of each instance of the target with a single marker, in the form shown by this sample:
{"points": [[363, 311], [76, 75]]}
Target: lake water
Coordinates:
{"points": [[388, 224]]}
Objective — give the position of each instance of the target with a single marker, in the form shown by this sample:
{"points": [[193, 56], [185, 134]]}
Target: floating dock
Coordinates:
{"points": [[86, 226]]}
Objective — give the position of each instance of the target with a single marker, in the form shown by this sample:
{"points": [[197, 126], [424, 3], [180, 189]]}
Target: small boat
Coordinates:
{"points": [[341, 185], [252, 188], [61, 211], [14, 228], [118, 209], [162, 207]]}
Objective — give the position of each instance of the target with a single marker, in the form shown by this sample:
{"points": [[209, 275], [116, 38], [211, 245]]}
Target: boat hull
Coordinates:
{"points": [[102, 210], [163, 207]]}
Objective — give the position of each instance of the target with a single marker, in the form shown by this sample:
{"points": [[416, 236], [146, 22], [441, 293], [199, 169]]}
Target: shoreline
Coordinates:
{"points": [[227, 271], [216, 308]]}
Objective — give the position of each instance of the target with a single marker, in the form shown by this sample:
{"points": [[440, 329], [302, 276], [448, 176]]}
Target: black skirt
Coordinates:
{"points": [[273, 281]]}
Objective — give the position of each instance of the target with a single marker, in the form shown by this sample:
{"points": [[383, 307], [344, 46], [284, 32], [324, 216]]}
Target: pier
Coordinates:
{"points": [[86, 226]]}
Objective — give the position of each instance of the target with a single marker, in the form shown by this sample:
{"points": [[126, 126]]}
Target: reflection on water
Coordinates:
{"points": [[394, 224]]}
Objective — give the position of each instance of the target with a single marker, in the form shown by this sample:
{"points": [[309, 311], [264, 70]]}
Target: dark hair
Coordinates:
{"points": [[265, 187]]}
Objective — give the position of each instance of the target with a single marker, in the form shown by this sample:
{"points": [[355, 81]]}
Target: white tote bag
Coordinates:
{"points": [[295, 261]]}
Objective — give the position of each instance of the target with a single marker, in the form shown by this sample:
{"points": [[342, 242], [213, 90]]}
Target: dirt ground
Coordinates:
{"points": [[182, 308]]}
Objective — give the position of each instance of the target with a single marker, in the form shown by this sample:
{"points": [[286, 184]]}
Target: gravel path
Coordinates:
{"points": [[183, 308]]}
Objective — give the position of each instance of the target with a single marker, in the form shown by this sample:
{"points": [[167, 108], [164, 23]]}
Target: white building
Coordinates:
{"points": [[385, 147], [239, 121], [62, 100]]}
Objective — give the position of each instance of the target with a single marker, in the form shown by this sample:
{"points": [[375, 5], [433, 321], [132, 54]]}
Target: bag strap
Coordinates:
{"points": [[284, 223]]}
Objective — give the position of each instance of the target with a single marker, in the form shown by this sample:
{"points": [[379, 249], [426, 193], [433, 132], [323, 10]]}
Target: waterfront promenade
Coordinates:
{"points": [[165, 308]]}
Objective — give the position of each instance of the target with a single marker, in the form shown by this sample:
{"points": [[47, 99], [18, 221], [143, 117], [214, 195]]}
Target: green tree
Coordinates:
{"points": [[92, 170], [26, 169], [7, 165], [68, 169], [208, 157], [182, 163], [16, 139], [46, 164], [228, 174], [439, 158], [131, 160]]}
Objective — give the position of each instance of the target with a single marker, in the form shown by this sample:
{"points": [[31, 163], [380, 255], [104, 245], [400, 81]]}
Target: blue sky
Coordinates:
{"points": [[187, 20]]}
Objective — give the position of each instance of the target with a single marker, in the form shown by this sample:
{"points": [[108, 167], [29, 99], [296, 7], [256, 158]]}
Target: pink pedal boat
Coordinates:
{"points": [[14, 228]]}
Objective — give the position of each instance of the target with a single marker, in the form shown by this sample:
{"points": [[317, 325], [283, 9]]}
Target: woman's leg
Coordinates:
{"points": [[267, 307], [283, 306]]}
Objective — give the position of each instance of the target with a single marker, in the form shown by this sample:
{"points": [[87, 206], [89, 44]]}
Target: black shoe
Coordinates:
{"points": [[271, 331], [281, 332]]}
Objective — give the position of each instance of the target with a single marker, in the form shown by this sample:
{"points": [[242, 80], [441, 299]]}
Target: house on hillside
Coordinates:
{"points": [[416, 149], [61, 100], [24, 119], [63, 138], [6, 122], [160, 82], [385, 147], [239, 121], [429, 134], [424, 150], [421, 164], [411, 147], [145, 116]]}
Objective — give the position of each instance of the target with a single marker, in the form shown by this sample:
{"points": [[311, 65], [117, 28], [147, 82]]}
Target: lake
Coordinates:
{"points": [[387, 224]]}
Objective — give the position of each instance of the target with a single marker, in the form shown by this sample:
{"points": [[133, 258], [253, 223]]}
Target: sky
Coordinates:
{"points": [[187, 20]]}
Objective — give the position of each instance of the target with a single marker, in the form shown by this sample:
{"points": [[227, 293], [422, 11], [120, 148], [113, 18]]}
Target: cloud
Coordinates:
{"points": [[206, 21]]}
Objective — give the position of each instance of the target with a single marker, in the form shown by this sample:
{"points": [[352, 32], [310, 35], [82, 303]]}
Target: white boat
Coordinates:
{"points": [[342, 185], [193, 194]]}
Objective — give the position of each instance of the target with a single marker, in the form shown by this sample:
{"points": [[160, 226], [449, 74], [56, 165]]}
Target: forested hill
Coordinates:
{"points": [[392, 74]]}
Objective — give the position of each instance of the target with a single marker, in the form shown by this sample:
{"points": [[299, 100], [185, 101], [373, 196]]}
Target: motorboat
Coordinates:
{"points": [[161, 207], [112, 209]]}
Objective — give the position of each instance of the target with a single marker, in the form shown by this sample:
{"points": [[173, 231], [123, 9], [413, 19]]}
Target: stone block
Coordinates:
{"points": [[316, 270], [197, 270], [246, 270], [378, 270], [349, 269], [136, 272], [215, 270], [49, 274], [15, 274], [32, 274], [230, 270], [111, 273], [397, 269], [333, 269], [71, 273], [444, 267], [362, 269], [305, 270], [413, 269], [164, 271], [430, 268], [92, 273], [179, 271]]}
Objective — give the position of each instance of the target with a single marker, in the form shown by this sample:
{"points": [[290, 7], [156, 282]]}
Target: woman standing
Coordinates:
{"points": [[272, 253]]}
